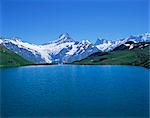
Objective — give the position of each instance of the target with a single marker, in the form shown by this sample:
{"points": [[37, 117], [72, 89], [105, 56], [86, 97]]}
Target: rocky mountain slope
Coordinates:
{"points": [[108, 45], [9, 58], [65, 49], [130, 53]]}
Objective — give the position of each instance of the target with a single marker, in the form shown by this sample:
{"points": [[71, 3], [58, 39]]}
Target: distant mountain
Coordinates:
{"points": [[140, 38], [64, 38], [130, 53], [65, 49], [131, 45], [108, 45], [9, 58], [105, 45]]}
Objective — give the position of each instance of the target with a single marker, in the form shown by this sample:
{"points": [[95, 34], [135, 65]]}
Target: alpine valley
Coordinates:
{"points": [[67, 50]]}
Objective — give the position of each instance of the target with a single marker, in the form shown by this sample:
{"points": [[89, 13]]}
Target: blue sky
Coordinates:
{"points": [[40, 21]]}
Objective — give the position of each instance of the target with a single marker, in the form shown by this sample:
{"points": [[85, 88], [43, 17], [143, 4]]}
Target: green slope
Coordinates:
{"points": [[9, 58], [137, 57]]}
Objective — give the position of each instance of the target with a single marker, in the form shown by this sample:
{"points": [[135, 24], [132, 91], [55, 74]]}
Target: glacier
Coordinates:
{"points": [[65, 49]]}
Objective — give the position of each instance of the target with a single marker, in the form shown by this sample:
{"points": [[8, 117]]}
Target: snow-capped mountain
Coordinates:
{"points": [[130, 45], [65, 49], [139, 38], [108, 45]]}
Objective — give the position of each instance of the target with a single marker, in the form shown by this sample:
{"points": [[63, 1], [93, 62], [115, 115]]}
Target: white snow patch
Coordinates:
{"points": [[131, 46], [1, 41]]}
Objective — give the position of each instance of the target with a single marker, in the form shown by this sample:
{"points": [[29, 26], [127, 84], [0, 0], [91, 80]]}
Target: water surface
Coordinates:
{"points": [[75, 91]]}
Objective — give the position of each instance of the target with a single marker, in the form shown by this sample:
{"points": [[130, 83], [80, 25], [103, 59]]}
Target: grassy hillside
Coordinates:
{"points": [[9, 58], [137, 57]]}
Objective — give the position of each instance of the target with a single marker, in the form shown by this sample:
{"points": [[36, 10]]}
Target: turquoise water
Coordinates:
{"points": [[74, 91]]}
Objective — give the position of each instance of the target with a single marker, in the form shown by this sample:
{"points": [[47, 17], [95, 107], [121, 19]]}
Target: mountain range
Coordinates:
{"points": [[65, 49], [130, 53]]}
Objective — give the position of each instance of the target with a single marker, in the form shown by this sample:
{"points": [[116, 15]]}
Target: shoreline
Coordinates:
{"points": [[11, 66]]}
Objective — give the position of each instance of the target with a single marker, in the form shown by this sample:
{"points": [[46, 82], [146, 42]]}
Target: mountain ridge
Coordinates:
{"points": [[65, 49], [138, 55], [9, 58]]}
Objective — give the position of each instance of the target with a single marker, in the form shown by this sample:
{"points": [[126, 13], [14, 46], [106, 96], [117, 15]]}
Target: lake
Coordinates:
{"points": [[75, 91]]}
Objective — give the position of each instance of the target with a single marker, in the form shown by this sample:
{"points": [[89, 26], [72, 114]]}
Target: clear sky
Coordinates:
{"points": [[40, 21]]}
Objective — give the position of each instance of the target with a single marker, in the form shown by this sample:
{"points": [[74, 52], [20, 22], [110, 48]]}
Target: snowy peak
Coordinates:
{"points": [[65, 49], [104, 45], [100, 41], [140, 38], [108, 45], [63, 38], [85, 42], [16, 39]]}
